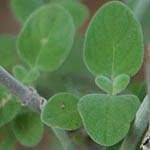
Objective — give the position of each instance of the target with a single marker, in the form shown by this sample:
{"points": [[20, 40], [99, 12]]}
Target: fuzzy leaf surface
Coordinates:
{"points": [[113, 41], [61, 112], [46, 38], [107, 118]]}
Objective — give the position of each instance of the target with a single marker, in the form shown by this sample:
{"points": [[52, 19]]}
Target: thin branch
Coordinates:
{"points": [[28, 96], [64, 139]]}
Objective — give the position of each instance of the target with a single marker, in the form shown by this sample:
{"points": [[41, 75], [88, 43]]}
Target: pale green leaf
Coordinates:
{"points": [[113, 41], [25, 76], [120, 83], [47, 37], [31, 76], [104, 83], [61, 112], [19, 72], [28, 128], [107, 118]]}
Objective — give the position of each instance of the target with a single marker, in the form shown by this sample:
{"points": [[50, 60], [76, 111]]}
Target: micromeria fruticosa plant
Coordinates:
{"points": [[113, 49]]}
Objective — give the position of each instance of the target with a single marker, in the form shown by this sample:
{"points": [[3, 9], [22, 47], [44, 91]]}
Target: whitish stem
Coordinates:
{"points": [[140, 125], [28, 96]]}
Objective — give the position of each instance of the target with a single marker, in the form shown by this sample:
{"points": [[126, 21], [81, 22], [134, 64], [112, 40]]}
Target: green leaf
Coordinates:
{"points": [[104, 83], [8, 55], [19, 72], [27, 77], [78, 11], [107, 118], [120, 83], [23, 8], [61, 112], [31, 76], [7, 138], [53, 41], [138, 88], [9, 107], [114, 86], [28, 128], [113, 41]]}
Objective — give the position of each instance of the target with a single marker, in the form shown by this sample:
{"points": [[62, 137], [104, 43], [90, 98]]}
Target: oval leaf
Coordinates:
{"points": [[46, 37], [9, 107], [19, 72], [107, 118], [104, 83], [28, 128], [113, 41], [25, 76], [23, 8], [61, 112], [120, 83], [78, 11]]}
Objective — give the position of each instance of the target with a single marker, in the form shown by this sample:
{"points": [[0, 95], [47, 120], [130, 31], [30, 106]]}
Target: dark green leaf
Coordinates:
{"points": [[8, 55], [28, 128], [61, 112], [7, 138], [9, 107]]}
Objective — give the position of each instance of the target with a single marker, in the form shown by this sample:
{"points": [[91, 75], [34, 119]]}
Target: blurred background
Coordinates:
{"points": [[77, 80]]}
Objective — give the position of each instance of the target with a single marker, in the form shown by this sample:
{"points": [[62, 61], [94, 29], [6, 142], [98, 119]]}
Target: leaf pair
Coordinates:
{"points": [[28, 128], [115, 86], [25, 76], [113, 51]]}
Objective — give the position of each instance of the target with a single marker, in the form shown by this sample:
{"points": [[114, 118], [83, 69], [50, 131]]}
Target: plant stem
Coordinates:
{"points": [[63, 138], [28, 96], [140, 125], [138, 7]]}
